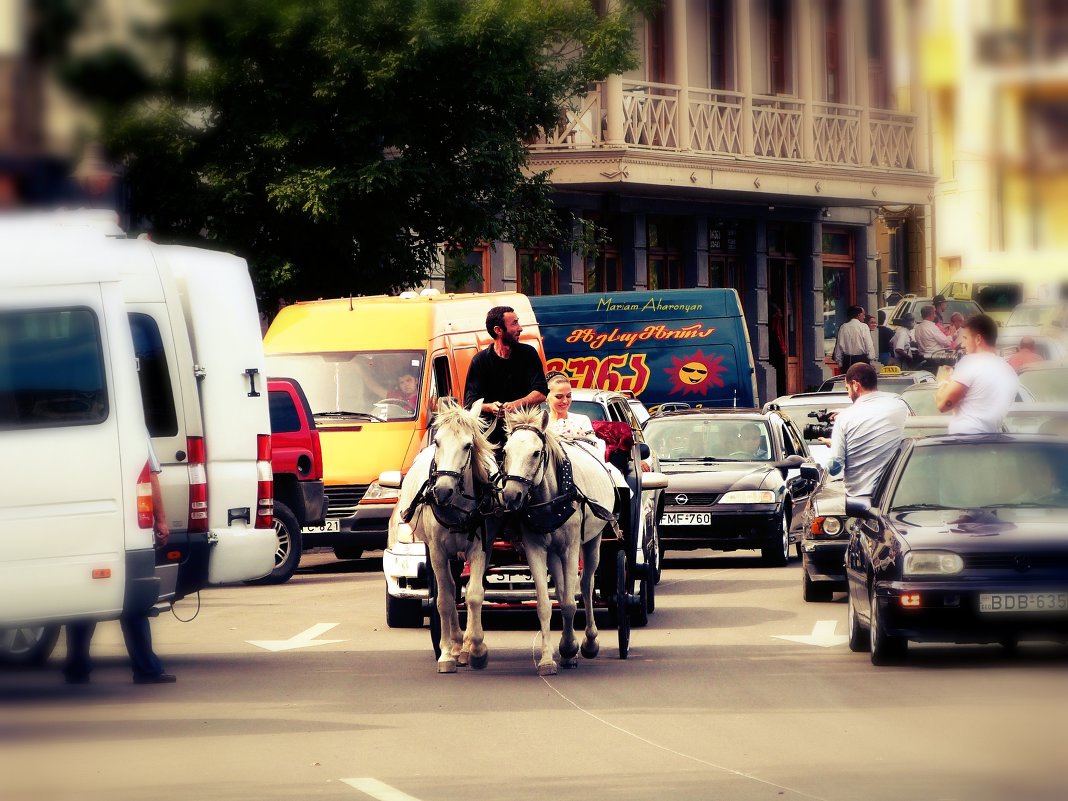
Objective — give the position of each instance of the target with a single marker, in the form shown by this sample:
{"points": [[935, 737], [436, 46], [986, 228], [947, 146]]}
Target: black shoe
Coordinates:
{"points": [[155, 678], [76, 678]]}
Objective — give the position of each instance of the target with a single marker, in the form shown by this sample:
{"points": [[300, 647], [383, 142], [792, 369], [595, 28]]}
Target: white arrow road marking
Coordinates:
{"points": [[305, 639], [822, 635], [379, 790]]}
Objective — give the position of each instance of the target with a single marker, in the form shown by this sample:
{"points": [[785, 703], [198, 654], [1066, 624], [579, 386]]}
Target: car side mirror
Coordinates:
{"points": [[810, 472], [390, 479], [643, 451], [791, 462], [654, 481]]}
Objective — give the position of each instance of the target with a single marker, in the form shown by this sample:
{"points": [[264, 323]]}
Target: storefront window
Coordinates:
{"points": [[839, 292], [536, 277]]}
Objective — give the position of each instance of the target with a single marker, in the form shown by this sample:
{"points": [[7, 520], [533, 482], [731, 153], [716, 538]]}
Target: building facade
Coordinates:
{"points": [[772, 146], [997, 75]]}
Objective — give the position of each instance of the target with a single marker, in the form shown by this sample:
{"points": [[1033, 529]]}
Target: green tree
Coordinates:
{"points": [[337, 144]]}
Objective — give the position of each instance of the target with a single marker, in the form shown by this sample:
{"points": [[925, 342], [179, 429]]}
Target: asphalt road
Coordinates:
{"points": [[710, 705]]}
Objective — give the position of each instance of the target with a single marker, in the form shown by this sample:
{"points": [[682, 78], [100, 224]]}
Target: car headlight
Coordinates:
{"points": [[748, 496], [932, 563], [831, 526], [376, 492]]}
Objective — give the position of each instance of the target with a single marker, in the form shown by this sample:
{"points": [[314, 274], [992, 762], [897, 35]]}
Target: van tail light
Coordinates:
{"points": [[198, 484], [317, 456], [264, 483], [145, 516]]}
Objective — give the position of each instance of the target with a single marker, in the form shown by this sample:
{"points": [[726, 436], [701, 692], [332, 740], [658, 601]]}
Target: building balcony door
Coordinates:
{"points": [[785, 325]]}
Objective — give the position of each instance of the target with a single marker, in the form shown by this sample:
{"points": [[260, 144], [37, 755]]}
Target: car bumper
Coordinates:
{"points": [[313, 500], [367, 528], [731, 529], [949, 612], [824, 560], [405, 568]]}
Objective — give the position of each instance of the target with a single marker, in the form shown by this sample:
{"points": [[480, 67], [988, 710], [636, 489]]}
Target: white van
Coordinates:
{"points": [[75, 528]]}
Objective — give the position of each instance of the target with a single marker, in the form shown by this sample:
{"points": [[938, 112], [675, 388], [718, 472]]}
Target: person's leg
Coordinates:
{"points": [[138, 636], [78, 665]]}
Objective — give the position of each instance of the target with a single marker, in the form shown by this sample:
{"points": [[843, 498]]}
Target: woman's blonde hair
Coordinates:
{"points": [[556, 376]]}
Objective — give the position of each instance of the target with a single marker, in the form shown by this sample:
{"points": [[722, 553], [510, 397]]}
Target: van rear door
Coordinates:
{"points": [[224, 331], [68, 484]]}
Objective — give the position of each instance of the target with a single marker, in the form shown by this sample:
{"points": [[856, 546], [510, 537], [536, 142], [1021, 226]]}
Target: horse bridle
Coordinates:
{"points": [[504, 478]]}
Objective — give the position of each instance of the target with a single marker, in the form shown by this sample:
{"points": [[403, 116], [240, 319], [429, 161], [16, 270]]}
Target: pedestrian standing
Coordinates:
{"points": [[867, 434], [982, 387], [902, 344], [854, 344], [931, 342], [940, 303], [883, 336]]}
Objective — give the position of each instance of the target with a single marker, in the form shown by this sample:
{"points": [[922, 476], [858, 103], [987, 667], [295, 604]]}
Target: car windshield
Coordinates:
{"points": [[591, 409], [985, 475], [799, 413], [366, 385], [1050, 385], [1034, 421], [704, 439], [1032, 316], [998, 297], [922, 401]]}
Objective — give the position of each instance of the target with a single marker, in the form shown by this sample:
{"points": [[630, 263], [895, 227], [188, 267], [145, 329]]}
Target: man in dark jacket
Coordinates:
{"points": [[506, 375]]}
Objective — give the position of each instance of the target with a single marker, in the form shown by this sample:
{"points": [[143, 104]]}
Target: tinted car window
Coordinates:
{"points": [[594, 411], [1046, 385], [284, 417], [157, 396], [51, 369]]}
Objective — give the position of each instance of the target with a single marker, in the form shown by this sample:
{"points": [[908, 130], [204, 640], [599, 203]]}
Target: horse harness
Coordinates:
{"points": [[549, 515], [456, 519]]}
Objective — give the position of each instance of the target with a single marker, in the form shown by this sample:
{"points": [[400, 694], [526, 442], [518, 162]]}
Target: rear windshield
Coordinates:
{"points": [[592, 410], [799, 414], [998, 297], [51, 369], [1032, 316], [284, 417]]}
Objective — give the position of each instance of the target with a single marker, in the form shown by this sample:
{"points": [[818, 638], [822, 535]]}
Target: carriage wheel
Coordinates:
{"points": [[622, 598]]}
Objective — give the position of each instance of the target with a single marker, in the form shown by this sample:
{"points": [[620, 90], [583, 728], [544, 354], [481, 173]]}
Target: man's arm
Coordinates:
{"points": [[950, 394], [163, 531], [837, 461]]}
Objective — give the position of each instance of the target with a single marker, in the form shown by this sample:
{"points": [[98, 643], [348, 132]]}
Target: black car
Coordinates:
{"points": [[963, 541], [734, 480], [824, 536]]}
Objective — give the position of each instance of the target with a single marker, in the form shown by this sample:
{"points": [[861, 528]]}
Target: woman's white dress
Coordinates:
{"points": [[578, 428]]}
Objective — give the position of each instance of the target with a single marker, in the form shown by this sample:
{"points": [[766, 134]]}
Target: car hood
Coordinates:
{"points": [[715, 477], [982, 529], [830, 500]]}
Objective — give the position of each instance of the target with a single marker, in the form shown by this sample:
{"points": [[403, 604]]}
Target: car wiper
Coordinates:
{"points": [[913, 507], [360, 415], [1022, 505]]}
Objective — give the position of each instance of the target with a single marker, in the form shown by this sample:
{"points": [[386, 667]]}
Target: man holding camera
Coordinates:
{"points": [[867, 434]]}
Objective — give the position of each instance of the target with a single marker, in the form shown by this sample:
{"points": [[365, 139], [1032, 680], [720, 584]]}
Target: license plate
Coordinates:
{"points": [[326, 528], [509, 578], [1023, 602], [686, 519], [406, 566]]}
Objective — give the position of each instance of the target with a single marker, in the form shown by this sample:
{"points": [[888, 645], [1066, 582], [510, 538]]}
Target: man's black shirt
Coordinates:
{"points": [[498, 380]]}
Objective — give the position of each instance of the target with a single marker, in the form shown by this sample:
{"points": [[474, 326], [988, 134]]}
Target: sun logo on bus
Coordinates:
{"points": [[694, 374]]}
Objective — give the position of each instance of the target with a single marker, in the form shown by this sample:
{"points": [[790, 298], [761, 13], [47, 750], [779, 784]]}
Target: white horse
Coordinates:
{"points": [[532, 487], [444, 492]]}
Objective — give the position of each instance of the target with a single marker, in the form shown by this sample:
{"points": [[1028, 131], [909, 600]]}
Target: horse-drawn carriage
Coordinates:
{"points": [[496, 536]]}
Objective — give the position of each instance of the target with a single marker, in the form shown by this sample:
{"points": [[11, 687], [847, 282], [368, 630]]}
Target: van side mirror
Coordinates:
{"points": [[390, 479], [643, 451]]}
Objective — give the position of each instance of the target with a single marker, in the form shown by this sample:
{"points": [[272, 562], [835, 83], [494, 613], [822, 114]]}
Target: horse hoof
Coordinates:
{"points": [[590, 649], [548, 669], [569, 652], [448, 666], [479, 662], [569, 662], [463, 659]]}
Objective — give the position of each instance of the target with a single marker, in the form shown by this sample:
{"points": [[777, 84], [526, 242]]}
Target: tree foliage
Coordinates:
{"points": [[339, 143]]}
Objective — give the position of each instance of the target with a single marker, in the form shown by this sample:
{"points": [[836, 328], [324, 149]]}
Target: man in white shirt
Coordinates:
{"points": [[929, 337], [854, 344], [867, 434], [982, 387], [901, 344]]}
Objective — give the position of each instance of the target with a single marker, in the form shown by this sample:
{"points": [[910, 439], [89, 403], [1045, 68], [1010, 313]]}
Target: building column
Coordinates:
{"points": [[867, 270], [680, 70], [805, 73], [743, 38], [573, 262], [755, 304], [639, 251], [613, 106], [857, 36], [812, 300], [700, 251]]}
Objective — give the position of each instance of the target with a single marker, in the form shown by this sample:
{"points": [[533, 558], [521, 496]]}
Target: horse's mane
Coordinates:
{"points": [[453, 415], [533, 416]]}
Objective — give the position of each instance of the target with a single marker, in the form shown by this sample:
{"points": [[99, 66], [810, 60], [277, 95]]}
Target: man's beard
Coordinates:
{"points": [[508, 339]]}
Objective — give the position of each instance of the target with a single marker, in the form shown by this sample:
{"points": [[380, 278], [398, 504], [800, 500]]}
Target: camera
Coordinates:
{"points": [[823, 428]]}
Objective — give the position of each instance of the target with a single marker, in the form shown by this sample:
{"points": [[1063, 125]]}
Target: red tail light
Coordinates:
{"points": [[264, 483], [145, 516], [317, 456], [198, 484]]}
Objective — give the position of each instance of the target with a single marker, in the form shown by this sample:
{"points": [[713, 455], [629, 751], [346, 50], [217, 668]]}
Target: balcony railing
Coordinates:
{"points": [[725, 123], [715, 121]]}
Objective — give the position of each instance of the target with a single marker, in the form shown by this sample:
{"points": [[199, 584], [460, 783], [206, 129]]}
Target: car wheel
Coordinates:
{"points": [[814, 591], [288, 549], [884, 649], [657, 553], [403, 613], [27, 646], [858, 635], [778, 554], [347, 552]]}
